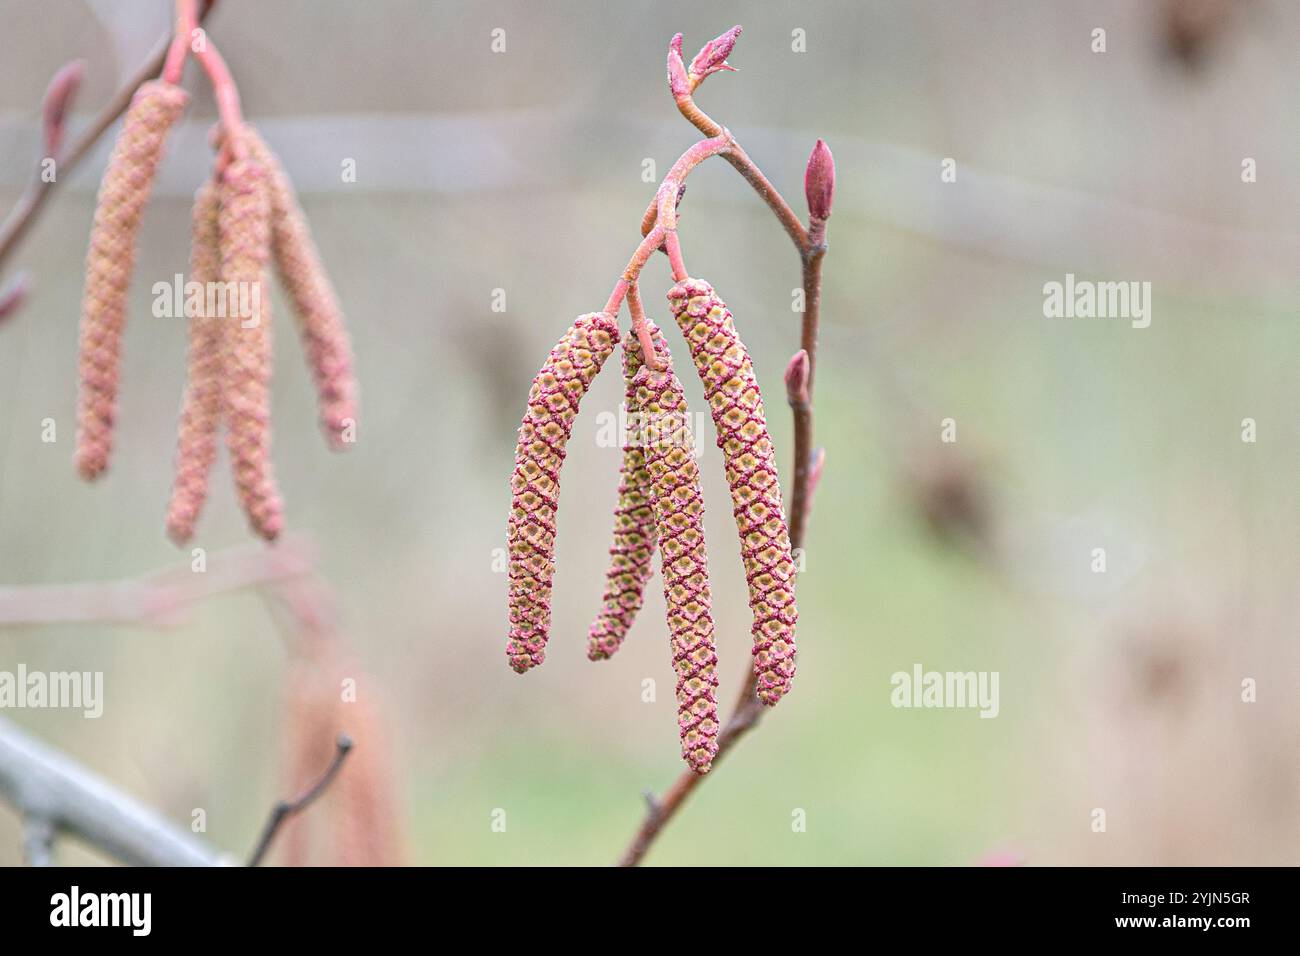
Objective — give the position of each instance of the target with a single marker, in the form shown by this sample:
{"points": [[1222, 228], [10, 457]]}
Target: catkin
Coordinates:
{"points": [[358, 820], [535, 485], [632, 553], [123, 194], [737, 406], [320, 320], [245, 251], [201, 405], [678, 505]]}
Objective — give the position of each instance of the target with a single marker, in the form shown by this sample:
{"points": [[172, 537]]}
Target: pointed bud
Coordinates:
{"points": [[819, 181], [713, 56], [14, 295], [796, 379], [58, 99], [677, 81]]}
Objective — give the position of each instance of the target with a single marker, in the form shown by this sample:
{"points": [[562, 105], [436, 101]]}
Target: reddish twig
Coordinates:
{"points": [[189, 39], [28, 208], [810, 242]]}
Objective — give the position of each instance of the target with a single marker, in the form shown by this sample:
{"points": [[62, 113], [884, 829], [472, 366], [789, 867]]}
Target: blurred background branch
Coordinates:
{"points": [[56, 795], [58, 100]]}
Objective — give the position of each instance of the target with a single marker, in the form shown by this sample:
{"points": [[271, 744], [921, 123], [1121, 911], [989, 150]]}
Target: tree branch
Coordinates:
{"points": [[811, 245], [158, 599], [52, 792], [50, 788]]}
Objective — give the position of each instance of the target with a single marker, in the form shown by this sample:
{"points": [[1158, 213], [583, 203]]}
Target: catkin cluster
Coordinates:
{"points": [[659, 507], [245, 219]]}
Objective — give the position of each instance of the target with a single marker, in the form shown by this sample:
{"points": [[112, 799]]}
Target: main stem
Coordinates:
{"points": [[811, 245]]}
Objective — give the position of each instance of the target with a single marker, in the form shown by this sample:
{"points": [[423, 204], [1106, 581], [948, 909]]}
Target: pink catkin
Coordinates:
{"points": [[201, 406], [737, 406], [123, 194], [358, 820], [632, 553], [535, 484], [245, 229], [678, 505], [320, 320]]}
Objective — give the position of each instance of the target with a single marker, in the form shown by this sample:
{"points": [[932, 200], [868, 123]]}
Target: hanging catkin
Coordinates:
{"points": [[678, 505], [245, 251], [632, 553], [359, 820], [201, 405], [737, 406], [535, 485], [123, 194], [320, 320]]}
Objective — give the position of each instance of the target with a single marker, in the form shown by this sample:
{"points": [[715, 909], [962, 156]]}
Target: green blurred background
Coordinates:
{"points": [[521, 171]]}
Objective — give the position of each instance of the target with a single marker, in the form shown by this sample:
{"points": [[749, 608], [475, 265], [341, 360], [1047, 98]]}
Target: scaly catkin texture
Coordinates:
{"points": [[737, 407], [679, 515], [535, 484], [201, 405], [320, 320], [632, 553], [123, 194], [245, 222]]}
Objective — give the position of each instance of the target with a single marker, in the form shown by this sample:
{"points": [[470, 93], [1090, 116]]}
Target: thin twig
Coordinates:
{"points": [[283, 810], [24, 214], [811, 246], [38, 840]]}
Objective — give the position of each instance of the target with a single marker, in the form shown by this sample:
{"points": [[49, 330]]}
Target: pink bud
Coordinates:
{"points": [[713, 55], [819, 181], [58, 98], [14, 295], [677, 81], [796, 379]]}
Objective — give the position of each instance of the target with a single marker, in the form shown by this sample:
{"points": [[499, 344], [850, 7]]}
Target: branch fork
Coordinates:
{"points": [[659, 229]]}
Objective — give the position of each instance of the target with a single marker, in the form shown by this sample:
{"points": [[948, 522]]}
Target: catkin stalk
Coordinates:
{"points": [[123, 195], [535, 484], [737, 407]]}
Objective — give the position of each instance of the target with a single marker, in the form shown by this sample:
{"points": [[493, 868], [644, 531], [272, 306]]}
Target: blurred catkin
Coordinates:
{"points": [[123, 195], [245, 226], [632, 553], [737, 406], [535, 484], [320, 320], [201, 405], [357, 820], [678, 504]]}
